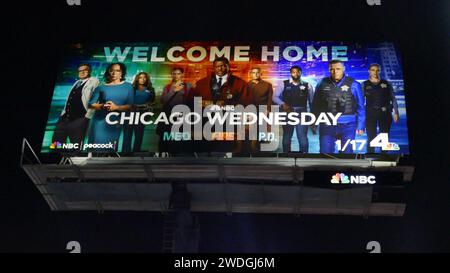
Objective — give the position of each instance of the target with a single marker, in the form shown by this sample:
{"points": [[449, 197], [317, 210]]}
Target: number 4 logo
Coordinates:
{"points": [[73, 2], [382, 141]]}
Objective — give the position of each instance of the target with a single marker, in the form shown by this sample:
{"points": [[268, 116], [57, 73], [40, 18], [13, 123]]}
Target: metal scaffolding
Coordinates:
{"points": [[242, 185], [181, 186]]}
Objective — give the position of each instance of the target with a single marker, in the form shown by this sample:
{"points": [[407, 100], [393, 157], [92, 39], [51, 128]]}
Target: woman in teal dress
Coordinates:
{"points": [[115, 95]]}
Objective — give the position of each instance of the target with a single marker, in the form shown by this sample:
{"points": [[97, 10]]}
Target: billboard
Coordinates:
{"points": [[240, 97]]}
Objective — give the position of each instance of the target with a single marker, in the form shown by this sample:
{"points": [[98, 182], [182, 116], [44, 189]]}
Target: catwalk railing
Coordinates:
{"points": [[217, 184]]}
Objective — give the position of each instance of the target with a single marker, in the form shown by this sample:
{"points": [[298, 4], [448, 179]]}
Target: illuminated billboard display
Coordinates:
{"points": [[240, 97]]}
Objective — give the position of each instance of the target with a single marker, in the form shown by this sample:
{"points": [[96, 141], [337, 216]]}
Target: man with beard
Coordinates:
{"points": [[221, 88], [295, 95]]}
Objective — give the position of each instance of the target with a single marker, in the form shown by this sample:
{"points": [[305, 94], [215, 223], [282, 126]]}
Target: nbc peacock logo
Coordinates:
{"points": [[340, 178], [55, 145]]}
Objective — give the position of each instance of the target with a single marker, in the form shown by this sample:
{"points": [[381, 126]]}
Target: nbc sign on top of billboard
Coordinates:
{"points": [[240, 97]]}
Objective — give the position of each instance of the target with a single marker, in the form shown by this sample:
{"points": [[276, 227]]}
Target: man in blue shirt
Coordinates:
{"points": [[339, 94]]}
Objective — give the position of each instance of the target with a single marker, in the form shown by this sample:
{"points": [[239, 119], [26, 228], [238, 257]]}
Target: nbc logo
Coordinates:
{"points": [[56, 145], [391, 146], [341, 178], [59, 145]]}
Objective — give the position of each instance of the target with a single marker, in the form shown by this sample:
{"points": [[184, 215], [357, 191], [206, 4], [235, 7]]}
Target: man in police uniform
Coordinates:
{"points": [[380, 104], [294, 95], [339, 94], [75, 116]]}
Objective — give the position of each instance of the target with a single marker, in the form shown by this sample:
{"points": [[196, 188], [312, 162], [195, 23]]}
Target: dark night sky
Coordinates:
{"points": [[40, 30]]}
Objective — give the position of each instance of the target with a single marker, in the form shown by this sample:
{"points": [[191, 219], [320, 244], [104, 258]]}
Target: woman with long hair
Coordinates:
{"points": [[174, 93], [144, 95]]}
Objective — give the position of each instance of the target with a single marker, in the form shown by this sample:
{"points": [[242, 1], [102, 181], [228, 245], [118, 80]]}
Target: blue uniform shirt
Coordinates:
{"points": [[143, 96]]}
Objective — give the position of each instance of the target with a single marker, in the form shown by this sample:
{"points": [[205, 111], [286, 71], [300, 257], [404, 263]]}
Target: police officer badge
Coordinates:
{"points": [[302, 87], [383, 85], [345, 88]]}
